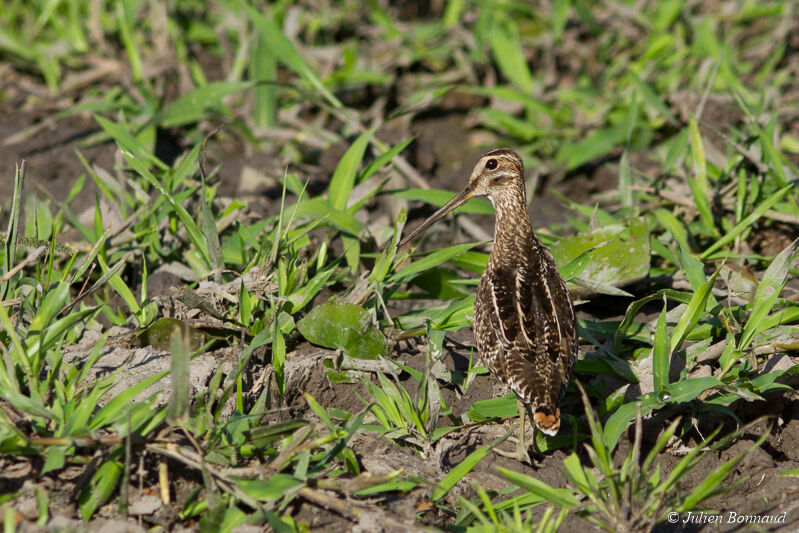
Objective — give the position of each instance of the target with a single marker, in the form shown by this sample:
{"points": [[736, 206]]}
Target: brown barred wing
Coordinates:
{"points": [[512, 350]]}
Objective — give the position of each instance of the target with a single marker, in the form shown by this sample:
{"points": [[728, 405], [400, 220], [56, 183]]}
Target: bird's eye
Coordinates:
{"points": [[491, 164]]}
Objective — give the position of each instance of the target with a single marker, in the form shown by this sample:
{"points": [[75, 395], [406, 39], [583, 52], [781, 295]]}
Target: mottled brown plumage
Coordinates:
{"points": [[523, 316]]}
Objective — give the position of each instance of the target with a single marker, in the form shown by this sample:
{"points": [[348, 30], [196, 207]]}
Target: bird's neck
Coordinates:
{"points": [[513, 233]]}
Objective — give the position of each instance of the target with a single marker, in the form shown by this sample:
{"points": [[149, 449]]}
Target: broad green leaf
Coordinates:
{"points": [[578, 475], [395, 485], [386, 258], [576, 266], [504, 407], [442, 284], [352, 252], [121, 288], [279, 360], [320, 412], [343, 326], [688, 389], [343, 221], [159, 334], [263, 436], [263, 67], [473, 261], [457, 315], [695, 271], [619, 253], [55, 332], [675, 227]]}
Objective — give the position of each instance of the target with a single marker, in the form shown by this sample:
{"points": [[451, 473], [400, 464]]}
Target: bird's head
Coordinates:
{"points": [[498, 175]]}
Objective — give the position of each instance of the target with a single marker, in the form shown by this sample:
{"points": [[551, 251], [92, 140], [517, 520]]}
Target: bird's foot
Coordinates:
{"points": [[519, 454]]}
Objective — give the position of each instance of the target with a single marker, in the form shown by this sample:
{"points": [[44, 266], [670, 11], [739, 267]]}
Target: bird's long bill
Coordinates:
{"points": [[457, 200]]}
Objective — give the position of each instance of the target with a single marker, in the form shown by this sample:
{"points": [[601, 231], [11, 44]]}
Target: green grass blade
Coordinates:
{"points": [[195, 235], [320, 412], [699, 184], [180, 350], [100, 488], [457, 473], [712, 484], [343, 179], [211, 237], [384, 159], [561, 497], [126, 32], [263, 66], [619, 420], [11, 236], [626, 181], [113, 411], [129, 144], [764, 206], [284, 49], [689, 319], [661, 354], [506, 47], [196, 104], [767, 292], [429, 261]]}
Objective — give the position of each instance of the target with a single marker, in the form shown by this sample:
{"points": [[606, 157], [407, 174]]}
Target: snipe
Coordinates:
{"points": [[523, 315]]}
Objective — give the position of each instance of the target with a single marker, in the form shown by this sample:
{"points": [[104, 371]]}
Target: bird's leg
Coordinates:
{"points": [[521, 448], [520, 454]]}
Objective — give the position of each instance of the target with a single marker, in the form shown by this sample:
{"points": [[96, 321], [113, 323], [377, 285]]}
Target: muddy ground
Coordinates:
{"points": [[27, 131]]}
